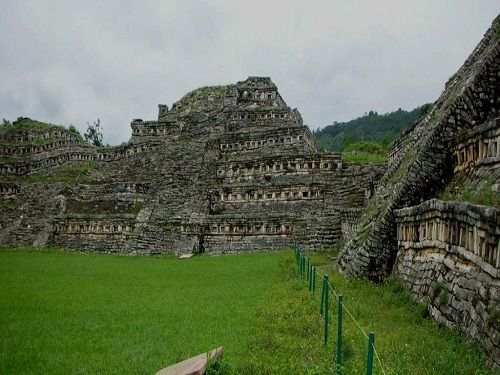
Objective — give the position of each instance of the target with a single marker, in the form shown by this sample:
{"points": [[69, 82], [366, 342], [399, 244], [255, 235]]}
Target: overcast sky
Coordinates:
{"points": [[75, 61]]}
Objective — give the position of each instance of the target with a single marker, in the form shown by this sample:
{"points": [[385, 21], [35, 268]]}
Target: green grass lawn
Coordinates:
{"points": [[86, 313], [408, 342]]}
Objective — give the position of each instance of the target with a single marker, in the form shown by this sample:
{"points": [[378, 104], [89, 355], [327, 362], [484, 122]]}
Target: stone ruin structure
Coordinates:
{"points": [[229, 168], [233, 168], [447, 253]]}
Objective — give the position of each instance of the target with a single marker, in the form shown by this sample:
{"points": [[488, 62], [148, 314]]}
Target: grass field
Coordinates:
{"points": [[84, 313]]}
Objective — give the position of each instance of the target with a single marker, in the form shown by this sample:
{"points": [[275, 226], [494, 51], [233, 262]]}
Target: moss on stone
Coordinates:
{"points": [[474, 190], [494, 318], [69, 174], [25, 124]]}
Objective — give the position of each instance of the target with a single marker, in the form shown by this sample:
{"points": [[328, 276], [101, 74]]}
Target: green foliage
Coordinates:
{"points": [[72, 174], [336, 249], [404, 334], [103, 314], [370, 127], [197, 99], [364, 152], [39, 141], [207, 90], [477, 190], [93, 135], [74, 130], [440, 292], [88, 313], [368, 147], [494, 318], [289, 332], [425, 109], [23, 124]]}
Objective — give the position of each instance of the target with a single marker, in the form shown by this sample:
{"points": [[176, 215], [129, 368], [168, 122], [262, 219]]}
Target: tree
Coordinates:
{"points": [[6, 122], [93, 135]]}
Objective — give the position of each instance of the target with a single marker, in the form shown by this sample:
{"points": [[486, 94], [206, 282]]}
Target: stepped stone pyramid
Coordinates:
{"points": [[228, 168]]}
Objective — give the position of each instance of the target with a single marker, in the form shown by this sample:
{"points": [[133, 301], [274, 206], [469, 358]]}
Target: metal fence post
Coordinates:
{"points": [[369, 360], [326, 311], [309, 284], [303, 265], [314, 279], [307, 269], [322, 296]]}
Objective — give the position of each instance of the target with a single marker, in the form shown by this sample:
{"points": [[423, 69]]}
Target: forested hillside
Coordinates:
{"points": [[374, 127]]}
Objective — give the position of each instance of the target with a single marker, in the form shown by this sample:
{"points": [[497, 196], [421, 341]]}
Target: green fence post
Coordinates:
{"points": [[303, 265], [369, 360], [339, 335], [326, 311], [307, 269], [308, 273], [311, 276], [314, 279], [300, 264]]}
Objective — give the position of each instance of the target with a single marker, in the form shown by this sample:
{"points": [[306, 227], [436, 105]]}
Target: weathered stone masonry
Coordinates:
{"points": [[449, 257], [226, 169], [446, 253], [479, 147], [422, 160]]}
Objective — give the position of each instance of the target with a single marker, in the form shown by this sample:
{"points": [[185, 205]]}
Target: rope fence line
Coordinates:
{"points": [[310, 272]]}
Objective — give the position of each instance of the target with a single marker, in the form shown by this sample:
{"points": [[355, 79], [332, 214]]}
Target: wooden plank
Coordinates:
{"points": [[186, 256], [193, 366]]}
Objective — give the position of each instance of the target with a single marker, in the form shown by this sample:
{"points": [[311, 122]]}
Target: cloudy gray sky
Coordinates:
{"points": [[75, 61]]}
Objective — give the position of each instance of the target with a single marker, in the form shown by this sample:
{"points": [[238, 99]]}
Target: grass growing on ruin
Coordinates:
{"points": [[84, 313], [482, 191], [22, 125], [72, 174]]}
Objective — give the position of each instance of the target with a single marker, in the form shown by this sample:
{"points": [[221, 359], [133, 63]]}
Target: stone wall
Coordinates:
{"points": [[229, 168], [22, 150], [245, 170], [477, 148], [449, 257], [234, 233], [60, 153], [422, 160], [49, 161], [9, 189]]}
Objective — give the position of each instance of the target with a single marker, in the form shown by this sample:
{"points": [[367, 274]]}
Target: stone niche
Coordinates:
{"points": [[478, 148]]}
